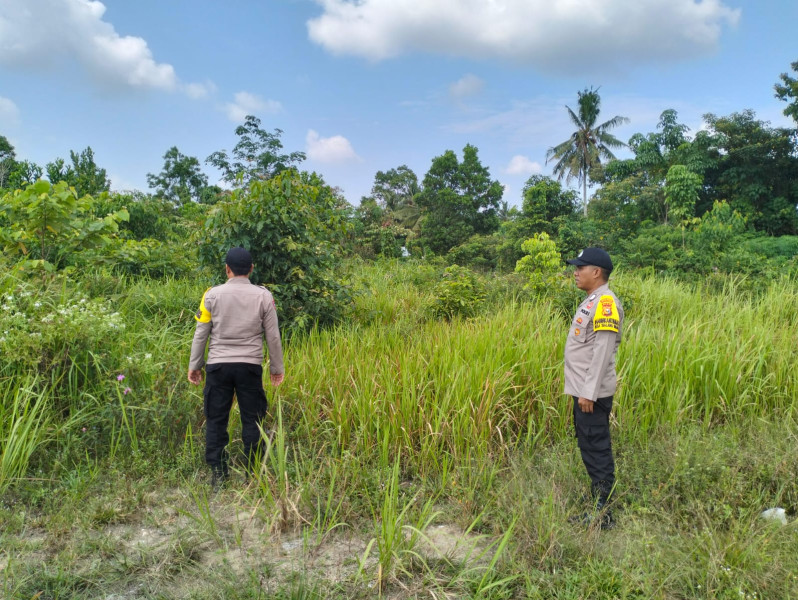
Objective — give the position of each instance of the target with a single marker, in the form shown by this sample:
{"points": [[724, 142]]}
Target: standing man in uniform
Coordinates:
{"points": [[236, 315], [590, 378]]}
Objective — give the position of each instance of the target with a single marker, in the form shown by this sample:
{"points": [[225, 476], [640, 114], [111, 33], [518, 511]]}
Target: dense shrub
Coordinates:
{"points": [[479, 252], [293, 226], [458, 294], [48, 227]]}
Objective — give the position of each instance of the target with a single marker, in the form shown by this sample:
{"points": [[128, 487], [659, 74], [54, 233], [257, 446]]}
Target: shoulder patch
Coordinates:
{"points": [[203, 314], [606, 317]]}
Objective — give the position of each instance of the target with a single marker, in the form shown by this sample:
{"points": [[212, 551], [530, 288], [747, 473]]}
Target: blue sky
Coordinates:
{"points": [[370, 85]]}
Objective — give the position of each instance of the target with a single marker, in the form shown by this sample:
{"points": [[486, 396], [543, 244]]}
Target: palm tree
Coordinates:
{"points": [[589, 143]]}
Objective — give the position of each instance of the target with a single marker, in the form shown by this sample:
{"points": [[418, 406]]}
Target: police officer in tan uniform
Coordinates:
{"points": [[590, 378], [236, 316]]}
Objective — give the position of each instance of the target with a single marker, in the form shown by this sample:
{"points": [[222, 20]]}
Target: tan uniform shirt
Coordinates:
{"points": [[237, 315], [591, 345]]}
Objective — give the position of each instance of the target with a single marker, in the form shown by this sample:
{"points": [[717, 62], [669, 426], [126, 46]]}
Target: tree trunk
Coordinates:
{"points": [[584, 192]]}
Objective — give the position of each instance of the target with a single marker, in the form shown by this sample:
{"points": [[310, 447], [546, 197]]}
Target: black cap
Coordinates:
{"points": [[592, 256], [238, 258]]}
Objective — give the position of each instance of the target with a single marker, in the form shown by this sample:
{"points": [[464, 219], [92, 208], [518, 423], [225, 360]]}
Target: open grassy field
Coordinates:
{"points": [[413, 457]]}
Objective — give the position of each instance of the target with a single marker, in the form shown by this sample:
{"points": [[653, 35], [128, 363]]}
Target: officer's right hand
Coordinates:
{"points": [[277, 379], [195, 376]]}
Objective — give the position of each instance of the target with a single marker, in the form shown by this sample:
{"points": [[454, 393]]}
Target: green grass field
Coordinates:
{"points": [[413, 458]]}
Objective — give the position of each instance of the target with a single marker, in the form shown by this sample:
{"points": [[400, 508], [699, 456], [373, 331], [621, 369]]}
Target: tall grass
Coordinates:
{"points": [[473, 388], [392, 381], [24, 421], [393, 418]]}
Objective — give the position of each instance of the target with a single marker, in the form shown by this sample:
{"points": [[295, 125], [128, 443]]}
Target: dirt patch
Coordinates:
{"points": [[177, 534]]}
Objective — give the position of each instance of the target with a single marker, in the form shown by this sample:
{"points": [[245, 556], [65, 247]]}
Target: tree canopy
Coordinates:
{"points": [[257, 154], [458, 200], [83, 174], [787, 90], [181, 180]]}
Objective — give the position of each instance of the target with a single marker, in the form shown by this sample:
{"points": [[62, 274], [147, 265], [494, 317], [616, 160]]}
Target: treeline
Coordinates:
{"points": [[718, 201]]}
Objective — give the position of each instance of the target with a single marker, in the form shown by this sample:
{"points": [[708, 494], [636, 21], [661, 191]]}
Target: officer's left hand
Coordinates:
{"points": [[585, 405]]}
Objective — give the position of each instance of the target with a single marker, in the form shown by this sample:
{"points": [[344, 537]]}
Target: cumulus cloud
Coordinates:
{"points": [[9, 113], [249, 104], [39, 34], [521, 165], [568, 35], [199, 90], [335, 149], [468, 85]]}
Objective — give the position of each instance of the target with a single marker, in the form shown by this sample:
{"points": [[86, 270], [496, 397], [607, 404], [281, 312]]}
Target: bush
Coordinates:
{"points": [[480, 251], [47, 227], [59, 335], [541, 265], [458, 294], [148, 217]]}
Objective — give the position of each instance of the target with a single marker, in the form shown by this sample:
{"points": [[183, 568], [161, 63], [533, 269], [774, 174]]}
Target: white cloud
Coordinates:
{"points": [[468, 85], [199, 90], [9, 113], [564, 35], [39, 34], [249, 104], [335, 149], [521, 165]]}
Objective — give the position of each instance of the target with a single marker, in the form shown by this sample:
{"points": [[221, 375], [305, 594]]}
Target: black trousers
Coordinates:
{"points": [[222, 380], [593, 438]]}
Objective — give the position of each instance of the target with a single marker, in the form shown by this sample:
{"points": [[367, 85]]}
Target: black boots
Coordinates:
{"points": [[600, 514], [220, 474]]}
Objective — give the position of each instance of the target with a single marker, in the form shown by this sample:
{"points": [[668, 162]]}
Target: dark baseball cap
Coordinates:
{"points": [[238, 258], [592, 256]]}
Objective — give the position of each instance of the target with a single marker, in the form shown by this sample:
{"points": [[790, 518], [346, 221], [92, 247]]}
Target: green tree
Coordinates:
{"points": [[25, 173], [257, 155], [633, 191], [672, 134], [293, 224], [754, 167], [718, 229], [681, 192], [544, 202], [8, 161], [181, 180], [541, 264], [374, 232], [458, 200], [83, 174], [545, 207], [395, 188], [787, 90], [590, 143]]}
